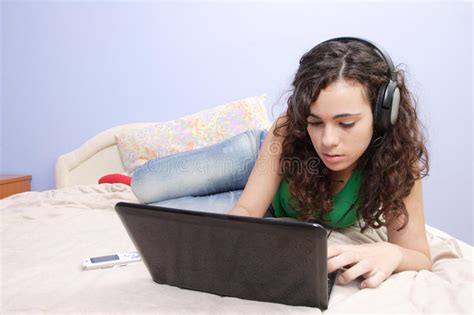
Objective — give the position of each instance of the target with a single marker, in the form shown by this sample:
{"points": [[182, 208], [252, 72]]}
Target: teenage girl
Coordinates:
{"points": [[352, 126]]}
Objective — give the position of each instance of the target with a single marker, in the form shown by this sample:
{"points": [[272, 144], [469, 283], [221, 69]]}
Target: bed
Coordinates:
{"points": [[45, 235]]}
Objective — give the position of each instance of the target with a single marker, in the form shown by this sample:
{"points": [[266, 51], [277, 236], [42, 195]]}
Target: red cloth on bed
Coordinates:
{"points": [[115, 179]]}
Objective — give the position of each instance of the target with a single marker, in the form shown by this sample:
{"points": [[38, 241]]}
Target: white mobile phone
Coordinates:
{"points": [[111, 260]]}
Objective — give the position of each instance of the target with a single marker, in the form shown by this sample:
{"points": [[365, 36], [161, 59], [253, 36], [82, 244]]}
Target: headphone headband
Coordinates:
{"points": [[377, 48]]}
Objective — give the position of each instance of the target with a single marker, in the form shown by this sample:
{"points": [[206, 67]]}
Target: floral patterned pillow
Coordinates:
{"points": [[194, 131]]}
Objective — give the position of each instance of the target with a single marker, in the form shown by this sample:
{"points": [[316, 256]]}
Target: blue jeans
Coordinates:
{"points": [[206, 179]]}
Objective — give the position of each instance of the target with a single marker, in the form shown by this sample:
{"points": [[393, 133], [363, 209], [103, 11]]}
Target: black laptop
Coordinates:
{"points": [[251, 258]]}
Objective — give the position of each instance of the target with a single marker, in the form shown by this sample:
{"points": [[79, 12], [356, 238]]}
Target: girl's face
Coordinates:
{"points": [[340, 125]]}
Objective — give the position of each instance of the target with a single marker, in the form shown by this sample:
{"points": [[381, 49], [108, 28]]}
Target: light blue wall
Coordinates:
{"points": [[72, 69]]}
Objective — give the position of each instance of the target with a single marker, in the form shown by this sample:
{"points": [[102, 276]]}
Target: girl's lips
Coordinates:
{"points": [[333, 158]]}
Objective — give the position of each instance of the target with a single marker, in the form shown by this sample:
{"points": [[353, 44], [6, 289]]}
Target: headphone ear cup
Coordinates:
{"points": [[378, 109], [392, 103]]}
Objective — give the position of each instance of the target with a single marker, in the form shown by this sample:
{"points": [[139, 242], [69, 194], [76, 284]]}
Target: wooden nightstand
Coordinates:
{"points": [[13, 184]]}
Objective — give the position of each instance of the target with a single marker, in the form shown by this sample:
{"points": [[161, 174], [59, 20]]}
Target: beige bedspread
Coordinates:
{"points": [[45, 236]]}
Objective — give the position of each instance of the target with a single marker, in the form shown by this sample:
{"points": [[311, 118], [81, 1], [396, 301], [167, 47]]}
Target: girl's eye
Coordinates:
{"points": [[344, 125], [347, 125]]}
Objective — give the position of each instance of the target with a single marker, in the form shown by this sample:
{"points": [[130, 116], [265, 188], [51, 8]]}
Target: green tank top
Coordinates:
{"points": [[284, 207]]}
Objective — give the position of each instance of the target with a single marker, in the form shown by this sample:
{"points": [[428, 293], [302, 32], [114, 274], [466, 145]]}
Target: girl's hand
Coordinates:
{"points": [[375, 262]]}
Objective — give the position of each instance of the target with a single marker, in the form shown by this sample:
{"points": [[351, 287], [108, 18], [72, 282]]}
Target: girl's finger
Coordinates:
{"points": [[374, 280], [339, 261], [353, 272], [334, 250]]}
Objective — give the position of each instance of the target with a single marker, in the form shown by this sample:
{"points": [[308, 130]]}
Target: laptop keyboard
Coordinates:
{"points": [[331, 281]]}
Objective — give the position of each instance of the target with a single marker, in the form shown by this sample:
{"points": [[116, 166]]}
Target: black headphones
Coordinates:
{"points": [[388, 95]]}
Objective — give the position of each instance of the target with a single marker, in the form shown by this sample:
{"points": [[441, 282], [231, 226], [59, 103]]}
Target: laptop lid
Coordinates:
{"points": [[251, 258]]}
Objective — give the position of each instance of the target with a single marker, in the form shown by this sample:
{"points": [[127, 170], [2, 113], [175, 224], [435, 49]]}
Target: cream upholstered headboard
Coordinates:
{"points": [[95, 158]]}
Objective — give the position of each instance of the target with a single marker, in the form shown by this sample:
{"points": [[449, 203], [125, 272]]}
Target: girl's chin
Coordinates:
{"points": [[339, 167], [336, 169]]}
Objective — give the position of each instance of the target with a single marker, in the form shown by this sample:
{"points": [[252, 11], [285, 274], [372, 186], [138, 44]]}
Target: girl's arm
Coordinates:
{"points": [[265, 177], [412, 241]]}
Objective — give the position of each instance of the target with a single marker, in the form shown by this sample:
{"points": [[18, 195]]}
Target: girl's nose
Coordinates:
{"points": [[330, 137]]}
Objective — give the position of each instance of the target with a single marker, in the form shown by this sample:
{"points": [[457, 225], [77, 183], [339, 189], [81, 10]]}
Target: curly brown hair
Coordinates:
{"points": [[389, 168]]}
